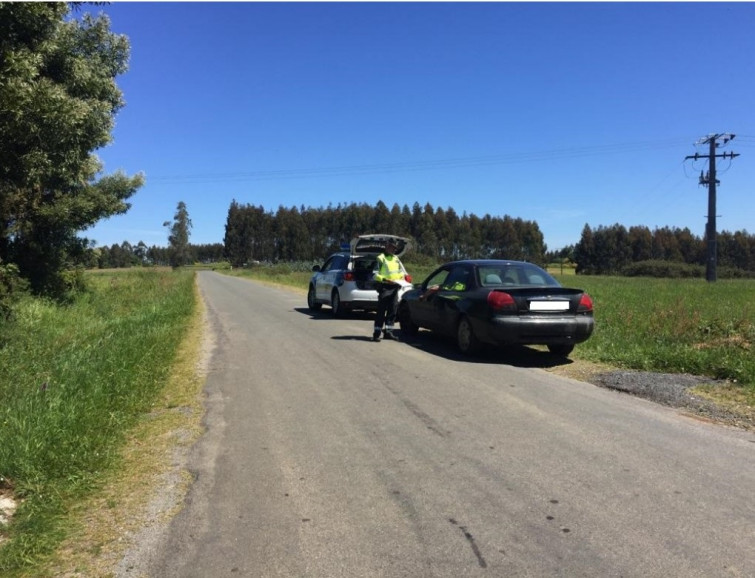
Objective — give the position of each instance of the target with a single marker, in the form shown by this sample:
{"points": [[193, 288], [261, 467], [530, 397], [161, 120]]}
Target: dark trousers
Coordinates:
{"points": [[387, 303]]}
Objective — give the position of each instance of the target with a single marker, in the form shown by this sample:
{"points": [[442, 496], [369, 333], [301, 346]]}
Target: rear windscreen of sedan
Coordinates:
{"points": [[520, 275]]}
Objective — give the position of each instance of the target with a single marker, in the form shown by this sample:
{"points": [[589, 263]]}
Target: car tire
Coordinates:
{"points": [[311, 303], [465, 337], [561, 349], [405, 321], [335, 304]]}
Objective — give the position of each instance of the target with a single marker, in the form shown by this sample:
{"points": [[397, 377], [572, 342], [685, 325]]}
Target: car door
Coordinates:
{"points": [[446, 302], [327, 278], [424, 308]]}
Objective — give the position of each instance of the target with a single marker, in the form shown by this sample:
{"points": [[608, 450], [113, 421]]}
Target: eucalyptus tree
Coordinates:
{"points": [[381, 219], [584, 252], [641, 242], [178, 238]]}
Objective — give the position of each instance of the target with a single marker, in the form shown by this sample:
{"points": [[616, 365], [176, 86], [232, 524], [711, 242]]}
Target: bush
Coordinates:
{"points": [[734, 273], [12, 287], [676, 270], [663, 269]]}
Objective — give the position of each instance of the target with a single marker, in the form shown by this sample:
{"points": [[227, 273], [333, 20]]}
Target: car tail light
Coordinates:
{"points": [[500, 300], [348, 275], [408, 278], [585, 303]]}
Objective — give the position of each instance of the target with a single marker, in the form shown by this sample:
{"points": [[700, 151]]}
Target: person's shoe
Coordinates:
{"points": [[376, 336], [390, 336]]}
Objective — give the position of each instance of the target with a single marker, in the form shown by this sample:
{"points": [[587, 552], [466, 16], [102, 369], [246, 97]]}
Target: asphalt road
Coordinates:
{"points": [[327, 455]]}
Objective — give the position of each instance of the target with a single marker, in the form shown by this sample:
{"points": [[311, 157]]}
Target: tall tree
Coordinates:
{"points": [[381, 218], [233, 241], [584, 253], [178, 239], [691, 248], [641, 243], [58, 99]]}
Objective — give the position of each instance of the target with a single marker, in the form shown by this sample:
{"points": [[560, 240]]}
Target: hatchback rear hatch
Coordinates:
{"points": [[375, 244]]}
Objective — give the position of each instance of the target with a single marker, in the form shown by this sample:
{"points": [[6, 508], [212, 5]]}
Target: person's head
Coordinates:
{"points": [[390, 247]]}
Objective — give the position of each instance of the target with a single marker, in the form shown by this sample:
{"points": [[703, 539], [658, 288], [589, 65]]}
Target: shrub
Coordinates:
{"points": [[664, 269], [734, 273], [12, 287]]}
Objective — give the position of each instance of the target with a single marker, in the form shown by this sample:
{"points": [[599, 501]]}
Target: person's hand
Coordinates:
{"points": [[429, 291]]}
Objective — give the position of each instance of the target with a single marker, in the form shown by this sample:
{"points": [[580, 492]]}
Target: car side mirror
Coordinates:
{"points": [[316, 269]]}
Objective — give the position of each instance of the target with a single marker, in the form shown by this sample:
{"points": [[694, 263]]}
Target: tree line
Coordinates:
{"points": [[140, 255], [254, 234], [615, 249], [306, 234]]}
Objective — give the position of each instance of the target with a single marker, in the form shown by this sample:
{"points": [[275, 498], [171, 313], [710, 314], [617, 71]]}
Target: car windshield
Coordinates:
{"points": [[519, 274]]}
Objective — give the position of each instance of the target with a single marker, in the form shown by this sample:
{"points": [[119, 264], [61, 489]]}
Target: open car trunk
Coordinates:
{"points": [[375, 244]]}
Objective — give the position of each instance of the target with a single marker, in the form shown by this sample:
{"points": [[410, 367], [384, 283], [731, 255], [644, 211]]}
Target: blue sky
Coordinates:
{"points": [[565, 114]]}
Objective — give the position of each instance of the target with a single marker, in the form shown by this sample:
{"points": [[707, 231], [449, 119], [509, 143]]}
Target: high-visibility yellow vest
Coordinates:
{"points": [[457, 286], [389, 268]]}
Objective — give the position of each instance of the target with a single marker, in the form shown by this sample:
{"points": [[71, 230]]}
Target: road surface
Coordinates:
{"points": [[328, 455]]}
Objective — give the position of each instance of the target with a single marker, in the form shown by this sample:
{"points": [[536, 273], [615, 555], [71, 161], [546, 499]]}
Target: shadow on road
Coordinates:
{"points": [[326, 313], [517, 356], [427, 341]]}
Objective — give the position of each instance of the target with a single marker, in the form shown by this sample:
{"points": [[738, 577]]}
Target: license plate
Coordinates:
{"points": [[549, 305]]}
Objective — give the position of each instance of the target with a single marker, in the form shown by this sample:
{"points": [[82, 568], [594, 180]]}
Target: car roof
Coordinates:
{"points": [[374, 244], [488, 262]]}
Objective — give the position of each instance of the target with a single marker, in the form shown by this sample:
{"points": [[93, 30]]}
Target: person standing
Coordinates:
{"points": [[390, 271]]}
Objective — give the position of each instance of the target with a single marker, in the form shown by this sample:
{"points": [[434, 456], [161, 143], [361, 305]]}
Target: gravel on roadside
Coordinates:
{"points": [[670, 389], [674, 390]]}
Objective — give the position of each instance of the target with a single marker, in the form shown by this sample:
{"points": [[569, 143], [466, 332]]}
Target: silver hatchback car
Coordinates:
{"points": [[345, 279]]}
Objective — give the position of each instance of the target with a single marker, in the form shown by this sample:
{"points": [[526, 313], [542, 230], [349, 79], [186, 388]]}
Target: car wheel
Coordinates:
{"points": [[562, 349], [311, 303], [465, 337], [405, 320], [335, 304]]}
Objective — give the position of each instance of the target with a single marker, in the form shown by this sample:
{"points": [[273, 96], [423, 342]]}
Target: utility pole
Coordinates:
{"points": [[713, 141]]}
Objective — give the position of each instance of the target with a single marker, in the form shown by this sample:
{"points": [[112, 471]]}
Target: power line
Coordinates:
{"points": [[438, 164]]}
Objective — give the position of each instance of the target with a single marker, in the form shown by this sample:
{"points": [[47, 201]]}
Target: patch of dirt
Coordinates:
{"points": [[7, 508], [691, 394]]}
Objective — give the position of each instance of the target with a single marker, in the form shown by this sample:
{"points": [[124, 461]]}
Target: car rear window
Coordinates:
{"points": [[521, 275]]}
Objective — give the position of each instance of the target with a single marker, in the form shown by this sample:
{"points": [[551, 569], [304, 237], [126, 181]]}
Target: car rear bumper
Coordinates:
{"points": [[359, 299], [366, 305], [544, 330], [364, 298]]}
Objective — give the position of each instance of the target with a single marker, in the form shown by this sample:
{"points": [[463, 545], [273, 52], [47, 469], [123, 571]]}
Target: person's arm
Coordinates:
{"points": [[378, 276], [430, 291]]}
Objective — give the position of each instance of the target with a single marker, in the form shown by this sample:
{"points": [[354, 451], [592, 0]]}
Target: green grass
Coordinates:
{"points": [[73, 380], [679, 326]]}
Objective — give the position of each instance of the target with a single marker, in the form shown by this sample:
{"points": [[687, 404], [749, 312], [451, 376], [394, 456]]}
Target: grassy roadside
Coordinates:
{"points": [[78, 384]]}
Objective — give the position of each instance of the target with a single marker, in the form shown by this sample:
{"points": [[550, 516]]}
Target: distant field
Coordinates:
{"points": [[557, 269]]}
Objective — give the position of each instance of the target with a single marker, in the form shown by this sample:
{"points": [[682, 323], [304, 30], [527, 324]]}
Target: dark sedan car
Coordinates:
{"points": [[499, 303]]}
